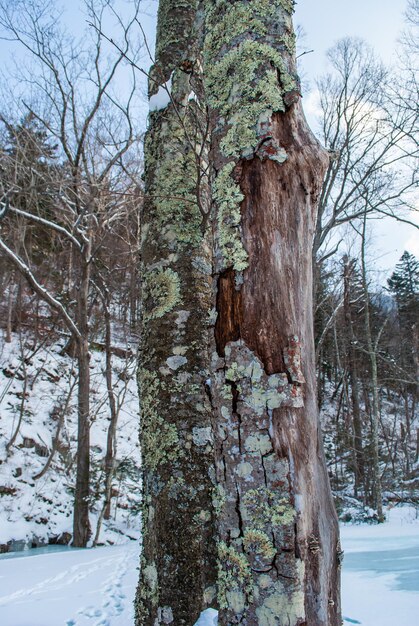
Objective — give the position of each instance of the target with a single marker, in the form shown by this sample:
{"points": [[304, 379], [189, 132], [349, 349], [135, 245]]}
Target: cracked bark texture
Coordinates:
{"points": [[278, 546], [177, 574]]}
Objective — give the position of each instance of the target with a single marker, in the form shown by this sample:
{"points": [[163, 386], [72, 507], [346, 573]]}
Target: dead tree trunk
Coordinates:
{"points": [[177, 579], [278, 550]]}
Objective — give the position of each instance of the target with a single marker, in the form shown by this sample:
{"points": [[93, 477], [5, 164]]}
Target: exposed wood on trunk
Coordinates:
{"points": [[229, 309], [279, 552]]}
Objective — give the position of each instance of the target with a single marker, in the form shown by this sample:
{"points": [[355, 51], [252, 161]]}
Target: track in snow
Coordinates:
{"points": [[70, 588]]}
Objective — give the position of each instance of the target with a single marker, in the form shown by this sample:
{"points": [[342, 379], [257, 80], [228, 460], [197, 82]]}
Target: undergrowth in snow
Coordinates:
{"points": [[38, 383]]}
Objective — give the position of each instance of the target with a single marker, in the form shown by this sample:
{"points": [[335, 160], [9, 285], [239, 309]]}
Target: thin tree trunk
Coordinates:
{"points": [[13, 438], [111, 436], [377, 498], [81, 524], [8, 337], [353, 377], [105, 512], [62, 413], [278, 551], [177, 578], [408, 434]]}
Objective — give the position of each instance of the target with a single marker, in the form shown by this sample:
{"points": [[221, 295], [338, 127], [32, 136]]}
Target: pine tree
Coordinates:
{"points": [[404, 284]]}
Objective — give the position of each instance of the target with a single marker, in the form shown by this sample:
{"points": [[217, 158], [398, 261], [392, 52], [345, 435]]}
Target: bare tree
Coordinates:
{"points": [[371, 139], [77, 106]]}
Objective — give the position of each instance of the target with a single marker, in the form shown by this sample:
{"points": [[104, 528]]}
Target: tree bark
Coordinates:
{"points": [[278, 550], [177, 578], [227, 350], [109, 463]]}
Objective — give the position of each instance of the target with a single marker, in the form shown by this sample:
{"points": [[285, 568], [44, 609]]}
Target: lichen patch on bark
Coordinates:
{"points": [[256, 513]]}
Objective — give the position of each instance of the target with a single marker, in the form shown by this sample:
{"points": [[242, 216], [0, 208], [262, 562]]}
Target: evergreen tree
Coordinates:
{"points": [[404, 285], [27, 178]]}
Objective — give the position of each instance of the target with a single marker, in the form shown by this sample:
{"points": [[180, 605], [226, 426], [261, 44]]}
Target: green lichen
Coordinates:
{"points": [[149, 590], [151, 578], [284, 601], [243, 86], [263, 508], [246, 79], [244, 469], [257, 542], [236, 372], [228, 197], [172, 183], [159, 439], [161, 292], [263, 392], [175, 30], [241, 18], [218, 499], [258, 442], [234, 578]]}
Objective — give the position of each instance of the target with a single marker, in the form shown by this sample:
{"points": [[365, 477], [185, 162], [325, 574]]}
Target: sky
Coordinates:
{"points": [[379, 22], [325, 21]]}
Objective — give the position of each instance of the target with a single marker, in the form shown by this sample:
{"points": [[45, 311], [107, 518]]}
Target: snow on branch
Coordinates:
{"points": [[44, 222], [39, 289]]}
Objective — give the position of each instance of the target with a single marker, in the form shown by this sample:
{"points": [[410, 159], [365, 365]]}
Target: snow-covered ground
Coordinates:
{"points": [[38, 385], [92, 587], [96, 587], [380, 578]]}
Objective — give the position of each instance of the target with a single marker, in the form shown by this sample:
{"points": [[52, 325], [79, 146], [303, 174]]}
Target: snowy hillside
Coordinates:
{"points": [[38, 395]]}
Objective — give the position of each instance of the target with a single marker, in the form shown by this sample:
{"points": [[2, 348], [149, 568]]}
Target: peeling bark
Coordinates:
{"points": [[278, 537], [232, 279]]}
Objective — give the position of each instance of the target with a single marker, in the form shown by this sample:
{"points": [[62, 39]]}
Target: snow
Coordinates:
{"points": [[93, 587], [36, 510], [209, 617], [380, 577], [162, 98], [96, 587]]}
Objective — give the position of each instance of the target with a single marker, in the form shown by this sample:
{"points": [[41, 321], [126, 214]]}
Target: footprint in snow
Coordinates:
{"points": [[90, 611]]}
